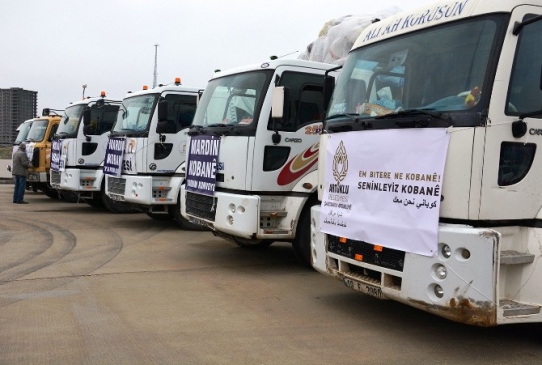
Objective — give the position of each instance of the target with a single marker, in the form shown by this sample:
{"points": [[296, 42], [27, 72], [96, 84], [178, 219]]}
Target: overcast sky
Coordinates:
{"points": [[55, 46]]}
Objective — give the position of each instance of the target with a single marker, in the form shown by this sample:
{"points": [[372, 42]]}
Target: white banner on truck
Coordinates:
{"points": [[383, 187]]}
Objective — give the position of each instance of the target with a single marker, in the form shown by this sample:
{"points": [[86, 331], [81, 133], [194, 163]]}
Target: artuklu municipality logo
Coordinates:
{"points": [[340, 163], [338, 193]]}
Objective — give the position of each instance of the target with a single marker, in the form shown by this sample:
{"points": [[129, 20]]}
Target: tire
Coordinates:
{"points": [[70, 196], [50, 192], [162, 217], [95, 202], [302, 240], [182, 221]]}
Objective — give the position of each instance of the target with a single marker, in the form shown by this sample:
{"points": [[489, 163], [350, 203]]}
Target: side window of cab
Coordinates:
{"points": [[525, 89], [305, 103]]}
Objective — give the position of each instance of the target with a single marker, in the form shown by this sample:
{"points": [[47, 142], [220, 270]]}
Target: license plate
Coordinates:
{"points": [[118, 198], [197, 221], [364, 288]]}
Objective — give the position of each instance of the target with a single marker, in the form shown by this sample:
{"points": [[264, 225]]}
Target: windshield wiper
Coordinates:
{"points": [[352, 116], [195, 130], [413, 113], [356, 118], [218, 125]]}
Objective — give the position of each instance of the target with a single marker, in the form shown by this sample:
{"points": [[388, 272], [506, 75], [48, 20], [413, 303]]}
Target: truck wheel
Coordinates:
{"points": [[302, 240], [50, 192], [95, 201], [69, 196], [182, 221]]}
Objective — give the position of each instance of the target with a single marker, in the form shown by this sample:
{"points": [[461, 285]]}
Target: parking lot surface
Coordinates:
{"points": [[82, 286]]}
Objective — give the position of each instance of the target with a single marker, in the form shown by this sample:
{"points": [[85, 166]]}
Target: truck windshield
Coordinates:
{"points": [[37, 131], [70, 121], [233, 100], [440, 69], [23, 132], [134, 114]]}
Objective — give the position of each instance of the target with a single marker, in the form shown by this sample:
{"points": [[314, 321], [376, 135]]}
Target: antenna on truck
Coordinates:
{"points": [[154, 82]]}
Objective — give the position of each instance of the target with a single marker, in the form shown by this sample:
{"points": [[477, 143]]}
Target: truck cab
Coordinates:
{"points": [[466, 75], [38, 149], [265, 177], [79, 150], [22, 132], [153, 124]]}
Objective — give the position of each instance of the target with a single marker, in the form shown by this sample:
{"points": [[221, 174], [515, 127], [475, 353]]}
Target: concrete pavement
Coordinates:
{"points": [[83, 286]]}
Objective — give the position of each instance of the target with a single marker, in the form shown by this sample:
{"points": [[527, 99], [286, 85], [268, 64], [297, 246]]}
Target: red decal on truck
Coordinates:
{"points": [[297, 166]]}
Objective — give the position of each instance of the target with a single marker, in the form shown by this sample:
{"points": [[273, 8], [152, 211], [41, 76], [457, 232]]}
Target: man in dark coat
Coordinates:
{"points": [[19, 170]]}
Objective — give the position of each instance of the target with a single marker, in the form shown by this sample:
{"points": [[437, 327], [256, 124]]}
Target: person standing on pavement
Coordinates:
{"points": [[19, 170]]}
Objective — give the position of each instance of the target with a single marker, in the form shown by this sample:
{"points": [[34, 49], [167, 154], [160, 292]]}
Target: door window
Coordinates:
{"points": [[524, 92], [305, 102]]}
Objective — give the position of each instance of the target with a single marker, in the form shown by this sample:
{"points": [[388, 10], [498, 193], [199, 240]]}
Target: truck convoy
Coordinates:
{"points": [[152, 125], [251, 178], [79, 150], [429, 170]]}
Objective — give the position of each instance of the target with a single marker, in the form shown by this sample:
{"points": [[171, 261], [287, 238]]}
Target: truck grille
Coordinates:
{"points": [[369, 253], [201, 206], [116, 185], [55, 177]]}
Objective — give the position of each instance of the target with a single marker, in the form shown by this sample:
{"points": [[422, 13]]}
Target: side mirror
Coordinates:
{"points": [[329, 86], [279, 109], [87, 129], [161, 127], [519, 128], [279, 103], [162, 110], [86, 117]]}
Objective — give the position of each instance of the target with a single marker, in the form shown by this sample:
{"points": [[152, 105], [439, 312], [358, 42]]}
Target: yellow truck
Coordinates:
{"points": [[38, 149]]}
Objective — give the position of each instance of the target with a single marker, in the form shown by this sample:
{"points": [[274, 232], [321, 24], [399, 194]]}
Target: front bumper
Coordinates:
{"points": [[144, 190], [77, 180]]}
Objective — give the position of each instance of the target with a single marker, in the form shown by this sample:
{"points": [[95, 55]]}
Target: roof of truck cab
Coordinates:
{"points": [[23, 123], [273, 64], [164, 88], [433, 14], [91, 100]]}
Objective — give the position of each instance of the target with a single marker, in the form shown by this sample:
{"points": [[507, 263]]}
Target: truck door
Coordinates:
{"points": [[168, 151], [94, 137], [511, 172], [279, 166]]}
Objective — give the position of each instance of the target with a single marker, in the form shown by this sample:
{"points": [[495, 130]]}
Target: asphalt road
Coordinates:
{"points": [[82, 286]]}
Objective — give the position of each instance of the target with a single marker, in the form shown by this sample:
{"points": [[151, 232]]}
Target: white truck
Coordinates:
{"points": [[258, 180], [153, 123], [22, 133], [78, 148], [453, 87]]}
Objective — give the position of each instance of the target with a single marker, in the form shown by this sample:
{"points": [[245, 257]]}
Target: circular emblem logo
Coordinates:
{"points": [[81, 161], [152, 166]]}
